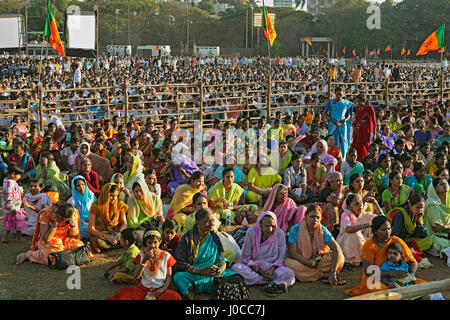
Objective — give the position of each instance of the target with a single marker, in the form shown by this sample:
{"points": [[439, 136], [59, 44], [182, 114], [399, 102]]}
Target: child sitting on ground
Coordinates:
{"points": [[396, 267], [122, 271], [35, 200], [170, 238], [154, 268]]}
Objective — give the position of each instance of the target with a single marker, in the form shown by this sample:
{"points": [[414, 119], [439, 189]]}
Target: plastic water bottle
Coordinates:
{"points": [[245, 222], [228, 219]]}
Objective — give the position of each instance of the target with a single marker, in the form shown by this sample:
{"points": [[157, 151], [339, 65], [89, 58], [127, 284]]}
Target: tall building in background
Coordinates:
{"points": [[283, 3], [317, 6]]}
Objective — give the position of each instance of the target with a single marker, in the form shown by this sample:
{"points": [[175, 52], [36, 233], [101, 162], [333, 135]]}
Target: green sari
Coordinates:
{"points": [[437, 212], [54, 177]]}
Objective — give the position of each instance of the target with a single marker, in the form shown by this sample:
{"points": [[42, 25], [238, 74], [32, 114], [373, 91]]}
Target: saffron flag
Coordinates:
{"points": [[51, 31], [388, 48], [367, 50], [443, 49], [403, 51], [343, 50], [269, 30], [378, 51], [433, 42], [309, 42], [354, 52], [372, 52], [156, 48], [408, 53]]}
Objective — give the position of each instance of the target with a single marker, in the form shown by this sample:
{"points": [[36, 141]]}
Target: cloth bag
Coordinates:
{"points": [[63, 259]]}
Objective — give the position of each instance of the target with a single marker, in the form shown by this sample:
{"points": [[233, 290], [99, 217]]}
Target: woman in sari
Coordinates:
{"points": [[281, 160], [284, 208], [263, 253], [334, 151], [91, 177], [374, 253], [57, 229], [321, 148], [437, 214], [261, 180], [134, 172], [397, 194], [124, 194], [157, 164], [82, 200], [49, 173], [34, 139], [419, 181], [200, 258], [387, 137], [181, 204], [107, 218], [339, 112], [357, 185], [354, 229], [144, 208], [313, 254], [99, 164], [364, 126], [145, 145], [407, 223]]}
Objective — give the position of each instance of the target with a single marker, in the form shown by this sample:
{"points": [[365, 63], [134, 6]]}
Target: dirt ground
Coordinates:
{"points": [[33, 281]]}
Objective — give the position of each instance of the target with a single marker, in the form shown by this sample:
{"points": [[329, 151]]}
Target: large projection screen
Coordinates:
{"points": [[12, 32], [81, 31]]}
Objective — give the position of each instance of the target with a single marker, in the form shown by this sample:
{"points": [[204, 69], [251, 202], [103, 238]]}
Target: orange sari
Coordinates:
{"points": [[61, 240], [378, 256]]}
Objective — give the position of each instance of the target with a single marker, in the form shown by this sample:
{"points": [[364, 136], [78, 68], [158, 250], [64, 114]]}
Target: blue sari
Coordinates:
{"points": [[339, 111], [210, 251]]}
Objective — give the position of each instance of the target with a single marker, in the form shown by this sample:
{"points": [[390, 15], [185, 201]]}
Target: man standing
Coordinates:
{"points": [[338, 112]]}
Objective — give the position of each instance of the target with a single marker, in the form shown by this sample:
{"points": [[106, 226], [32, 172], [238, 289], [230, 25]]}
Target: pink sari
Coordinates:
{"points": [[285, 212]]}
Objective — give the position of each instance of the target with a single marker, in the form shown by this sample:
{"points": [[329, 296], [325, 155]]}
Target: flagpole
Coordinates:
{"points": [[42, 47]]}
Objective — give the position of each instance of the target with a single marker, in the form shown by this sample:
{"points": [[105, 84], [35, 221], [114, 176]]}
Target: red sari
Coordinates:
{"points": [[92, 182], [364, 125]]}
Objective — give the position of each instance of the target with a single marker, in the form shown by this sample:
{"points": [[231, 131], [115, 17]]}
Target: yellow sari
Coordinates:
{"points": [[150, 206], [181, 199]]}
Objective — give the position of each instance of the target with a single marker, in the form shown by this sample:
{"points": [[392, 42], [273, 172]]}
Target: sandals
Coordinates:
{"points": [[272, 290]]}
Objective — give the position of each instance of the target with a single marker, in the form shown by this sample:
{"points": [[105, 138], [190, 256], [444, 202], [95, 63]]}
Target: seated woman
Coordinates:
{"points": [[354, 229], [295, 179], [180, 168], [357, 185], [82, 200], [388, 138], [225, 195], [199, 201], [327, 160], [397, 194], [134, 172], [284, 208], [49, 173], [374, 253], [90, 176], [22, 157], [144, 208], [437, 214], [57, 230], [124, 194], [407, 222], [263, 253], [261, 181], [384, 168], [100, 165], [200, 258], [281, 160], [396, 166], [334, 150], [419, 181], [181, 204], [331, 199], [315, 177], [158, 164], [313, 254], [107, 218]]}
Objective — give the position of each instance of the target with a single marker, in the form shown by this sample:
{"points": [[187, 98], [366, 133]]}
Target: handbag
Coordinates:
{"points": [[231, 288], [63, 259]]}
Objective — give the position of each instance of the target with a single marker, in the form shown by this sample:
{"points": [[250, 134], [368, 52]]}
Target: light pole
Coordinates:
{"points": [[128, 15], [188, 22], [117, 30]]}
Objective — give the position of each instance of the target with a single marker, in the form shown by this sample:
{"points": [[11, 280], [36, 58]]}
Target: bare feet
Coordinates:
{"points": [[21, 258]]}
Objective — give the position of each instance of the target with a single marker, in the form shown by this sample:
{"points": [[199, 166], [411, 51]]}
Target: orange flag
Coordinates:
{"points": [[309, 42], [408, 53], [433, 42], [372, 52], [354, 52], [403, 51]]}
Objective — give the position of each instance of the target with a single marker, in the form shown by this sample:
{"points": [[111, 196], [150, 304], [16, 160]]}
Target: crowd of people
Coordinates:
{"points": [[354, 185]]}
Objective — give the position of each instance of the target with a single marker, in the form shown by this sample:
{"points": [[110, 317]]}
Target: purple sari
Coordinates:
{"points": [[177, 177], [265, 255]]}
